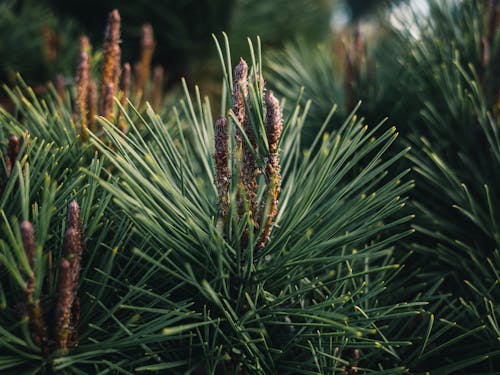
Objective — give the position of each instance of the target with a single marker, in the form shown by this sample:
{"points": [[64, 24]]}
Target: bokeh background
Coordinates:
{"points": [[51, 28]]}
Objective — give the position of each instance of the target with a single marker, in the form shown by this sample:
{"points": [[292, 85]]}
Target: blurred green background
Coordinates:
{"points": [[40, 38]]}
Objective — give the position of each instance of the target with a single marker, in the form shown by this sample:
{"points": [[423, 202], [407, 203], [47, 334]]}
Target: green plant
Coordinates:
{"points": [[448, 85], [222, 245], [53, 316], [309, 296], [344, 72], [68, 286]]}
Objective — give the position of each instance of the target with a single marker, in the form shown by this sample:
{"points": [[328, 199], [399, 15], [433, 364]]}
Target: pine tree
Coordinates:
{"points": [[450, 83], [272, 237], [438, 80], [281, 256]]}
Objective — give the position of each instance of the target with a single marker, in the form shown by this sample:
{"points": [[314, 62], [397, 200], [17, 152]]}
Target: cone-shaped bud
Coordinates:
{"points": [[50, 44], [249, 169], [82, 84], [239, 95], [12, 152], [352, 369], [147, 49], [75, 318], [272, 170], [28, 238], [485, 60], [137, 78], [64, 305], [274, 122], [117, 71], [110, 59], [157, 87], [59, 85], [92, 105], [35, 314], [84, 44], [125, 89], [355, 354], [73, 216], [221, 159], [107, 102], [73, 240], [125, 81]]}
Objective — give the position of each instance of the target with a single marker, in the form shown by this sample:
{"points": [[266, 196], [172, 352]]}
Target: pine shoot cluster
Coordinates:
{"points": [[245, 155], [53, 323]]}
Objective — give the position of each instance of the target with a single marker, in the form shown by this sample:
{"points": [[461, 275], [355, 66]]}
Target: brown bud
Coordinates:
{"points": [[221, 158], [110, 60], [274, 121], [28, 238], [33, 304], [75, 318], [59, 84], [73, 216], [125, 89], [76, 312], [249, 169], [73, 241], [82, 83], [137, 78], [157, 87], [147, 41], [239, 95], [37, 324], [84, 44], [272, 170], [73, 248], [37, 340], [12, 153], [125, 80], [117, 65], [68, 309], [107, 109], [50, 44], [91, 105], [355, 354], [64, 305], [485, 60], [147, 49]]}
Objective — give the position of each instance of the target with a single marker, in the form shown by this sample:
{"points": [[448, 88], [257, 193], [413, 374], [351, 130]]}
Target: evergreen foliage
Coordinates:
{"points": [[438, 79], [302, 302], [454, 87], [281, 235]]}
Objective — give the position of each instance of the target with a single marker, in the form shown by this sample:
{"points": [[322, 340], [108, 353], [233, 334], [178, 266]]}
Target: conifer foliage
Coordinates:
{"points": [[143, 237], [283, 251], [438, 80], [455, 87]]}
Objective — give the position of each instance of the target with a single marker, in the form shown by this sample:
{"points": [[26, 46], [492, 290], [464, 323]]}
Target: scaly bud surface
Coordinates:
{"points": [[221, 158]]}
